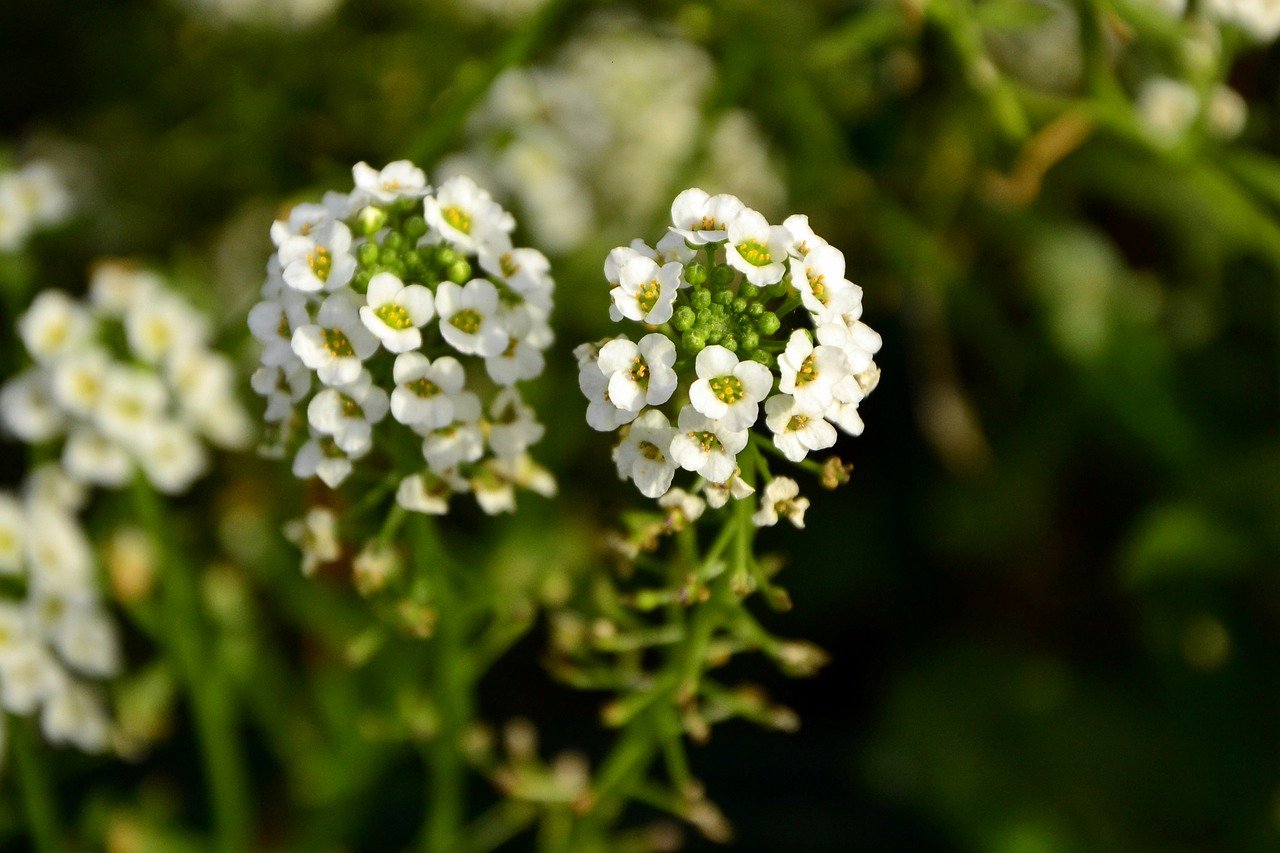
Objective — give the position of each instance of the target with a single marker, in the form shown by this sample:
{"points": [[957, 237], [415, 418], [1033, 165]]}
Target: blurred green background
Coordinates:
{"points": [[1051, 588]]}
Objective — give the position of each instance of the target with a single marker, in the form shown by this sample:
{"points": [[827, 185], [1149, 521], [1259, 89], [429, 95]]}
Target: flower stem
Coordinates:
{"points": [[211, 703], [454, 682], [37, 794]]}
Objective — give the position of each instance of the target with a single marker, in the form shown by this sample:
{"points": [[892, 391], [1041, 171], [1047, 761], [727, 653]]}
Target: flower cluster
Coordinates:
{"points": [[736, 318], [31, 198], [397, 323], [56, 639], [128, 379]]}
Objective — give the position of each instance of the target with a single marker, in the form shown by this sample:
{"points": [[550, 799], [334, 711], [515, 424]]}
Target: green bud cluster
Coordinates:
{"points": [[719, 308], [397, 250]]}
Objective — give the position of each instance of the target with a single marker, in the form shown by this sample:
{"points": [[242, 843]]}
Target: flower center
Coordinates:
{"points": [[282, 328], [707, 441], [350, 408], [396, 316], [648, 295], [466, 321], [797, 422], [337, 344], [508, 265], [710, 223], [330, 448], [808, 371], [818, 285], [320, 262], [728, 389], [639, 372], [457, 218], [755, 253], [651, 451], [423, 387]]}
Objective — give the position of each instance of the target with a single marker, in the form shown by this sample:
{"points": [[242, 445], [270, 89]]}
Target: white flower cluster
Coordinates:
{"points": [[736, 315], [128, 378], [397, 323], [31, 198], [1259, 19], [575, 143], [1168, 108], [56, 638]]}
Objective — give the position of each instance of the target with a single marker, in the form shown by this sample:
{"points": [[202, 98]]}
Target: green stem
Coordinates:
{"points": [[212, 706], [37, 793], [454, 683]]}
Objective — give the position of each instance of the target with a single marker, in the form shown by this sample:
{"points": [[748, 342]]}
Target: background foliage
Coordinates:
{"points": [[1049, 590]]}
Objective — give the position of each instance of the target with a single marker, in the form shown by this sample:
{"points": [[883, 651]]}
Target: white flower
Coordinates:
{"points": [[115, 287], [162, 323], [321, 260], [617, 259], [685, 508], [131, 398], [27, 408], [644, 455], [824, 290], [1260, 19], [273, 322], [283, 386], [77, 381], [396, 312], [494, 492], [705, 446], [639, 374], [795, 431], [525, 271], [425, 493], [13, 523], [519, 361], [171, 456], [93, 458], [1167, 108], [810, 373], [321, 457], [729, 390], [701, 218], [602, 414], [513, 426], [718, 494], [803, 239], [1226, 111], [466, 215], [459, 441], [49, 485], [349, 413], [316, 534], [526, 474], [58, 554], [400, 179], [86, 639], [757, 249], [43, 193], [303, 220], [781, 499], [646, 292], [74, 714], [28, 675], [53, 326], [337, 344], [468, 317], [425, 389]]}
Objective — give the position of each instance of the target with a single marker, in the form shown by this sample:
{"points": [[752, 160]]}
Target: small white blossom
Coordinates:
{"points": [[349, 413], [729, 390], [316, 534], [466, 215], [273, 322], [425, 389], [803, 239], [396, 312], [640, 374], [810, 373], [795, 431], [719, 494], [318, 261], [53, 326], [706, 446], [400, 179], [757, 249], [468, 317], [513, 426], [646, 292], [688, 507], [337, 344], [825, 291], [644, 456], [781, 500], [701, 218]]}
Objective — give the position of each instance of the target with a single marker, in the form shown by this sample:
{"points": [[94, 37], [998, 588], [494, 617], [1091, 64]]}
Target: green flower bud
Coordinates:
{"points": [[749, 340], [695, 274], [693, 341], [730, 343], [459, 271], [360, 281], [684, 318], [446, 256], [762, 357], [701, 298], [755, 309], [722, 276], [414, 228], [739, 305], [367, 254], [774, 291], [370, 219], [715, 336], [393, 240], [722, 297], [387, 255], [768, 323]]}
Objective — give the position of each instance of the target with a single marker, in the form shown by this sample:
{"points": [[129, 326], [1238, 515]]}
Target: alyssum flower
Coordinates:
{"points": [[397, 322], [128, 379], [734, 314]]}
